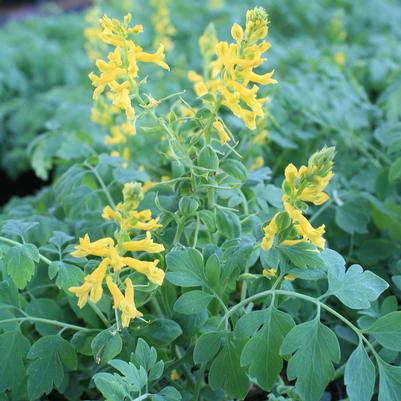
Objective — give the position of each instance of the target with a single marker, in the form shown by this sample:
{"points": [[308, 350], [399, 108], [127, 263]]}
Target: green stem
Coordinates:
{"points": [[48, 262], [305, 298], [210, 197], [12, 242], [100, 314], [178, 233], [199, 383], [46, 321], [102, 185]]}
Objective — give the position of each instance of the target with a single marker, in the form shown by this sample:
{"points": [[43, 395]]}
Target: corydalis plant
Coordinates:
{"points": [[229, 76], [131, 222], [118, 79]]}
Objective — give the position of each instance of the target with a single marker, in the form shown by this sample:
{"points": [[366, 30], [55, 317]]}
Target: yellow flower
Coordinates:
{"points": [[157, 58], [174, 375], [269, 273], [100, 247], [149, 269], [92, 285], [260, 139], [270, 231], [219, 127], [123, 303], [237, 32], [304, 228], [290, 277], [150, 225], [143, 245], [258, 163], [117, 78], [110, 214], [340, 58], [162, 23], [230, 76]]}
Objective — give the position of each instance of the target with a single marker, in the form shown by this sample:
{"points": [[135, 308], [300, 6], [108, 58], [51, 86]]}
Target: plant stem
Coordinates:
{"points": [[100, 314], [46, 321], [102, 185], [48, 262], [305, 298], [12, 242]]}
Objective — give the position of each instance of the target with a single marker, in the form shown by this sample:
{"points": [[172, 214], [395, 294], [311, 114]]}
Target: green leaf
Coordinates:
{"points": [[314, 347], [226, 372], [228, 224], [207, 346], [192, 302], [50, 357], [20, 263], [17, 227], [235, 169], [261, 352], [303, 255], [161, 332], [387, 330], [48, 309], [249, 323], [168, 393], [185, 268], [67, 274], [395, 170], [106, 345], [360, 375], [390, 382], [13, 350], [352, 217], [112, 387], [213, 270], [355, 287]]}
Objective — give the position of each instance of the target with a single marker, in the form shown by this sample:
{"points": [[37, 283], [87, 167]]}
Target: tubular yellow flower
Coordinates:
{"points": [[230, 77], [304, 228], [100, 247], [269, 273], [143, 245], [237, 32], [128, 219], [149, 269], [304, 185], [92, 285], [157, 58], [259, 162], [270, 231], [162, 24], [117, 79], [219, 127], [125, 304], [150, 225]]}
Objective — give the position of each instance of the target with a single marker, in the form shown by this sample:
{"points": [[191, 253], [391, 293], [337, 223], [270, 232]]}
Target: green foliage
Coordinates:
{"points": [[20, 261], [314, 347], [261, 352], [230, 320], [14, 348], [51, 357], [359, 375]]}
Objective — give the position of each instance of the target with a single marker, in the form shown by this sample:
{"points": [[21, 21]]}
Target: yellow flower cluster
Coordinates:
{"points": [[162, 24], [117, 79], [113, 254], [93, 46], [230, 77], [300, 186]]}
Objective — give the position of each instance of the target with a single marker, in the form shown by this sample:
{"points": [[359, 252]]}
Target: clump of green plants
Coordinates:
{"points": [[169, 261]]}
